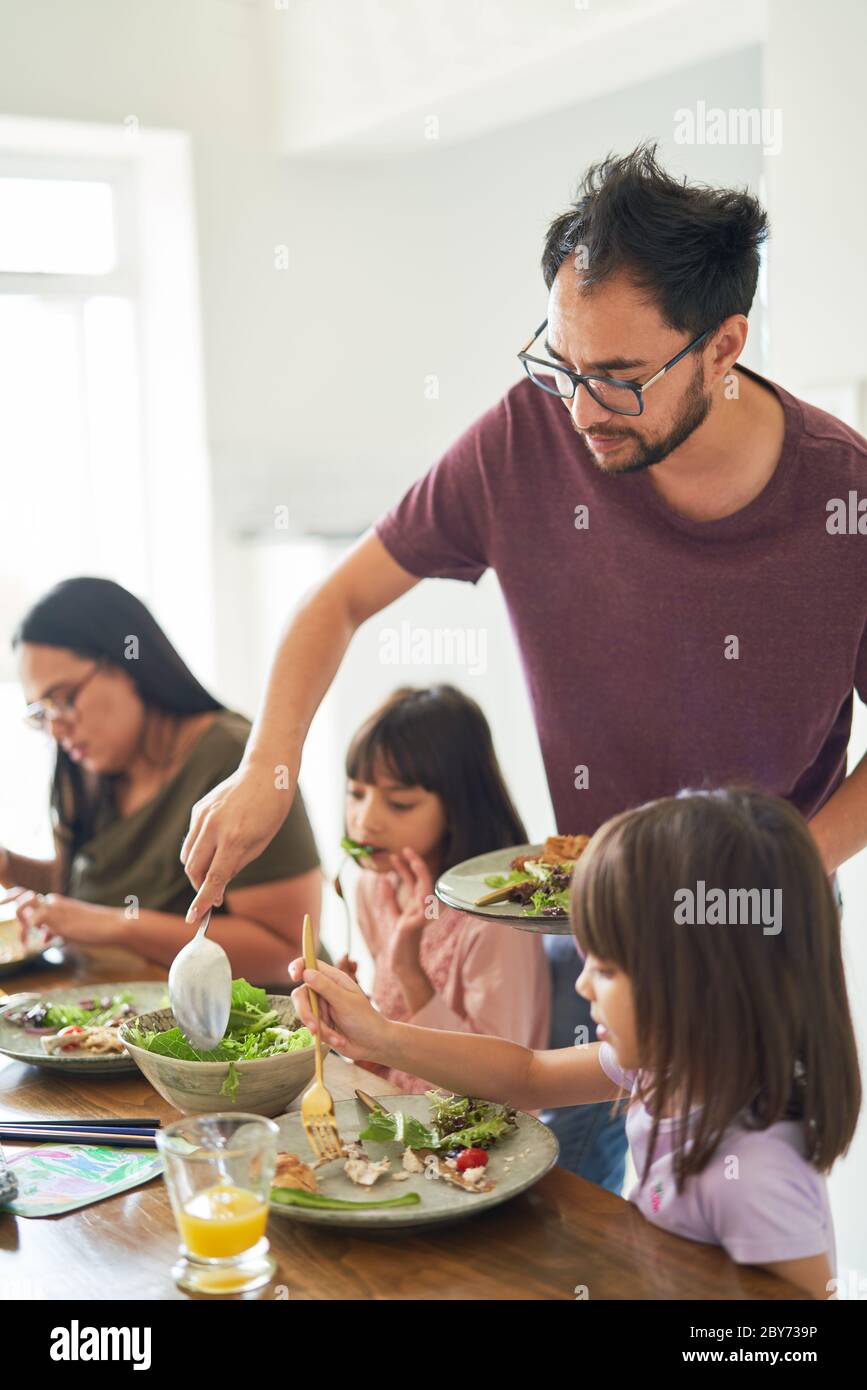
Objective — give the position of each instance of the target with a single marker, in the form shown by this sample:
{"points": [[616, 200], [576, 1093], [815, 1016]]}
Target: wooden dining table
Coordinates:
{"points": [[564, 1239]]}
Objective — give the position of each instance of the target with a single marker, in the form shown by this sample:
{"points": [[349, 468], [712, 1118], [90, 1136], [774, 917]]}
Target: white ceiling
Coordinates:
{"points": [[362, 77]]}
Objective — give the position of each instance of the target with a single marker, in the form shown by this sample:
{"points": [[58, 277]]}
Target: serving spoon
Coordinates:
{"points": [[200, 990]]}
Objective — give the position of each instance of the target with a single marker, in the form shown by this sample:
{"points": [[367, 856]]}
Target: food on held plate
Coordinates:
{"points": [[541, 883]]}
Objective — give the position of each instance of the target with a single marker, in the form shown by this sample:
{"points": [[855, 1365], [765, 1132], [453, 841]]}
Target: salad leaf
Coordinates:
{"points": [[456, 1120], [355, 849], [172, 1043], [385, 1126], [297, 1197], [478, 1136], [467, 1121], [254, 1030], [68, 1015], [500, 880], [231, 1083], [543, 897]]}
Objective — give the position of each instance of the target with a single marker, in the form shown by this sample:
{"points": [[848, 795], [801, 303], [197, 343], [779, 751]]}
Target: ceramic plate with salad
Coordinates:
{"points": [[418, 1161], [526, 885], [75, 1029]]}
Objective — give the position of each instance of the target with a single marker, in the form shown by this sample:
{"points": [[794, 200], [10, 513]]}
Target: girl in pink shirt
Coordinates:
{"points": [[425, 790], [712, 960]]}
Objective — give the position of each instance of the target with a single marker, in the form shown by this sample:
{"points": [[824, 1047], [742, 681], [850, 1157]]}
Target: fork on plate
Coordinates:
{"points": [[317, 1105]]}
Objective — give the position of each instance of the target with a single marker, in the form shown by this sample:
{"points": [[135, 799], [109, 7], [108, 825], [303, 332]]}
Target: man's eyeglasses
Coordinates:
{"points": [[44, 712], [623, 397]]}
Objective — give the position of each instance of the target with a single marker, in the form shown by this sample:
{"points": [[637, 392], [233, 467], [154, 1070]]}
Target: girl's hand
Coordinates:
{"points": [[53, 915], [416, 885], [348, 1020], [349, 967]]}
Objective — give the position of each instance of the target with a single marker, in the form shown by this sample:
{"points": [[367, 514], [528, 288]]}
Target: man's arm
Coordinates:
{"points": [[236, 820], [840, 828]]}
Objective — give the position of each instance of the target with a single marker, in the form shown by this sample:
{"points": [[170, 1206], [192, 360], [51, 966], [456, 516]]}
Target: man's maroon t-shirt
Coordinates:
{"points": [[626, 624]]}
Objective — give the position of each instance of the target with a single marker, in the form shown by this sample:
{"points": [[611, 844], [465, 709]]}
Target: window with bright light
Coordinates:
{"points": [[56, 226], [72, 497]]}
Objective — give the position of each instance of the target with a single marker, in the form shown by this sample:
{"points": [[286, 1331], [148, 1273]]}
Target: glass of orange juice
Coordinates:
{"points": [[219, 1169]]}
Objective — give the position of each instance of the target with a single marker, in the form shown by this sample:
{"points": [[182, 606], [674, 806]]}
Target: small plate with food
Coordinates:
{"points": [[75, 1029], [415, 1160], [526, 885], [19, 950]]}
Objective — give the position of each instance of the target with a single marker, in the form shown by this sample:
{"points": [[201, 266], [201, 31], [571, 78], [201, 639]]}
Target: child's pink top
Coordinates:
{"points": [[487, 978], [758, 1197]]}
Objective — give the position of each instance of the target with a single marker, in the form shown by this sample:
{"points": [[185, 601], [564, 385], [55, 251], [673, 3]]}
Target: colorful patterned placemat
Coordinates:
{"points": [[53, 1178]]}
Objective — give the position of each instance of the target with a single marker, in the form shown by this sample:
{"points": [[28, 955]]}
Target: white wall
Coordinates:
{"points": [[426, 264], [817, 203], [817, 192]]}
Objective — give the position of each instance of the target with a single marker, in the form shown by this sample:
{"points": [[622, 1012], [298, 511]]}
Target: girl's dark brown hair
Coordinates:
{"points": [[752, 1027], [438, 738]]}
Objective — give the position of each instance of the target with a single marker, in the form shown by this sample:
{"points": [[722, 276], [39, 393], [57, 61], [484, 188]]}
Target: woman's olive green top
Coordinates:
{"points": [[132, 861]]}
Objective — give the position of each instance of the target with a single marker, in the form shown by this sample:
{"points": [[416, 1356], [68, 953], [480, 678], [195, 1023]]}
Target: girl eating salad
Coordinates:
{"points": [[424, 791], [727, 1031]]}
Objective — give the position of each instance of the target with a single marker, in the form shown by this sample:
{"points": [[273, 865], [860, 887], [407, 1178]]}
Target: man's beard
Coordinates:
{"points": [[696, 406]]}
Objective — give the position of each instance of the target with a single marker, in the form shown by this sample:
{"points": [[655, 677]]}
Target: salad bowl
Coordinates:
{"points": [[261, 1085]]}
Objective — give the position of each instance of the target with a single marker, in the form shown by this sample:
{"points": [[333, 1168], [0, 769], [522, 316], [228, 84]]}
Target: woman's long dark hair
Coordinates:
{"points": [[96, 619], [438, 738]]}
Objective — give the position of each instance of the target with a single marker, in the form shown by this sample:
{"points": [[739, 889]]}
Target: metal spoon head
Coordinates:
{"points": [[200, 991]]}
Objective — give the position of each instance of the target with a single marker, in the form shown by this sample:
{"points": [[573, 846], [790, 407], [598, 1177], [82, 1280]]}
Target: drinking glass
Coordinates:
{"points": [[219, 1170]]}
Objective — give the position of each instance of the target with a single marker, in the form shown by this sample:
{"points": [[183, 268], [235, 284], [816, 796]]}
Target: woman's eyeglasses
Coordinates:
{"points": [[42, 713], [622, 397]]}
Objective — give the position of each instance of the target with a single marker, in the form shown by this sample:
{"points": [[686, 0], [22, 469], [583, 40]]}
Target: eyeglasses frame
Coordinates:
{"points": [[581, 378], [38, 715]]}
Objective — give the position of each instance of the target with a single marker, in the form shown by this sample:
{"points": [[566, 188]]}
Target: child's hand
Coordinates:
{"points": [[349, 967], [348, 1020], [417, 891]]}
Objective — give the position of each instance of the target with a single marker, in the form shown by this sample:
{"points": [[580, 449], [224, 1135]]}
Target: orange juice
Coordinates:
{"points": [[222, 1221]]}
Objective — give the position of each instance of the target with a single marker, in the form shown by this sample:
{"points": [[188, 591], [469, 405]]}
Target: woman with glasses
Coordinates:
{"points": [[138, 741]]}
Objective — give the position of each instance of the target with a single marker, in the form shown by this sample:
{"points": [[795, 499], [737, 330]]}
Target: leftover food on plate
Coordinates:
{"points": [[93, 1042], [39, 1014], [452, 1147]]}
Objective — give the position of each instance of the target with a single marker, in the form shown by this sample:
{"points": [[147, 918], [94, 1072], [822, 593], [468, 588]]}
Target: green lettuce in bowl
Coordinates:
{"points": [[263, 1029]]}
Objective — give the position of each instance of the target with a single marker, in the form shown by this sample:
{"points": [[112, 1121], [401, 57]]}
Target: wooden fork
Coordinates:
{"points": [[317, 1106]]}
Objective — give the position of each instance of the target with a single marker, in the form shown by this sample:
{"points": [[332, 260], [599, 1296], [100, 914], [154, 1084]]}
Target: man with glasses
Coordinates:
{"points": [[657, 516]]}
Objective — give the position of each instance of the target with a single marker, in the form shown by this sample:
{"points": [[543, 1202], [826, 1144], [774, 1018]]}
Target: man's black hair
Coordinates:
{"points": [[693, 248]]}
